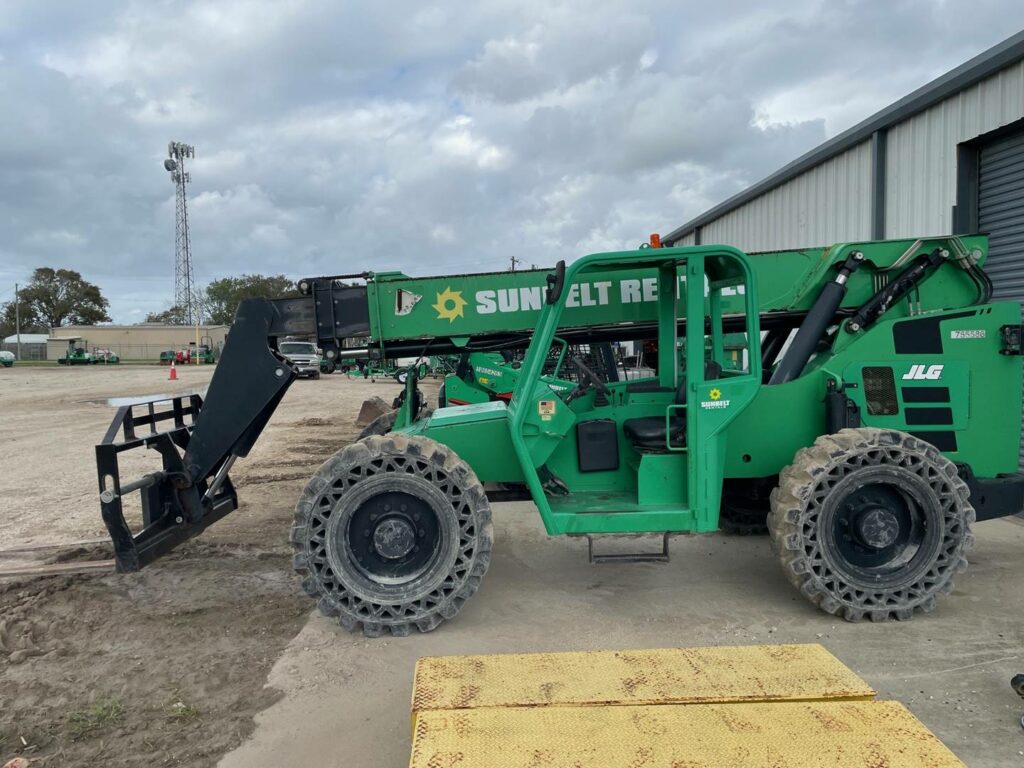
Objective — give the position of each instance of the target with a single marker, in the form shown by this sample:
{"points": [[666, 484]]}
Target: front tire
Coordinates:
{"points": [[871, 523], [392, 534]]}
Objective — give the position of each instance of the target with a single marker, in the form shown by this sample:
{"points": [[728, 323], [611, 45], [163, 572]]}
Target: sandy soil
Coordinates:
{"points": [[167, 666]]}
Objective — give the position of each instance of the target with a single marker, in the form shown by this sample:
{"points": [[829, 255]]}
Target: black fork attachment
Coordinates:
{"points": [[197, 441]]}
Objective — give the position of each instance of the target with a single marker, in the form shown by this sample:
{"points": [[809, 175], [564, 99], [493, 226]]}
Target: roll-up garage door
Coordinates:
{"points": [[1001, 215]]}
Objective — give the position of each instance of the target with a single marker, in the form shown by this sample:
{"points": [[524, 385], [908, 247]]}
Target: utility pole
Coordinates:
{"points": [[514, 262], [17, 319]]}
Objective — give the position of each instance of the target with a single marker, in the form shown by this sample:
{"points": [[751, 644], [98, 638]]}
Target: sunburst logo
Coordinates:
{"points": [[450, 305], [715, 394]]}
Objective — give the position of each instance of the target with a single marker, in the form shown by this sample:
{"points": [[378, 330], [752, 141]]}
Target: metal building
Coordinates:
{"points": [[135, 343], [947, 158]]}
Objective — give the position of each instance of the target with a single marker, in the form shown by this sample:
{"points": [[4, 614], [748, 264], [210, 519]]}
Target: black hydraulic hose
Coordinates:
{"points": [[821, 315], [773, 344], [985, 283], [872, 309]]}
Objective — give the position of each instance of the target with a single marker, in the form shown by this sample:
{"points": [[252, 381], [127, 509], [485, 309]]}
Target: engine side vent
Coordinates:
{"points": [[880, 391]]}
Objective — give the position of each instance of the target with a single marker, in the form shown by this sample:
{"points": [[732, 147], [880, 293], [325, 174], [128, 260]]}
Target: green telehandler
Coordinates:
{"points": [[877, 389]]}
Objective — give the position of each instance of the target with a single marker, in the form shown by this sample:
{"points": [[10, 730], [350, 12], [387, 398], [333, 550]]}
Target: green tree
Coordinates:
{"points": [[171, 316], [29, 322], [62, 297], [224, 295]]}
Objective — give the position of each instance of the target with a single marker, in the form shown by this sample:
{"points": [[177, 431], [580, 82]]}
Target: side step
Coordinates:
{"points": [[628, 557]]}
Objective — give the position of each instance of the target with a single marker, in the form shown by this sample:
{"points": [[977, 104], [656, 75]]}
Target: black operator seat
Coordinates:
{"points": [[648, 432]]}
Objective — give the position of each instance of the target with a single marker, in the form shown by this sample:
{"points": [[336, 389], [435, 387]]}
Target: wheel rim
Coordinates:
{"points": [[880, 531], [884, 530], [392, 537], [369, 580]]}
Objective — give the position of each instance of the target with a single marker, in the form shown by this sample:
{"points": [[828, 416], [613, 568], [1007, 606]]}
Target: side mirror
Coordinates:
{"points": [[556, 282]]}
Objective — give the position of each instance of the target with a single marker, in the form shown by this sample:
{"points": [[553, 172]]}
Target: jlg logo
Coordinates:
{"points": [[923, 373]]}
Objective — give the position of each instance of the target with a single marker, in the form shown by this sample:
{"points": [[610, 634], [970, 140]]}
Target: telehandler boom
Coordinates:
{"points": [[878, 388]]}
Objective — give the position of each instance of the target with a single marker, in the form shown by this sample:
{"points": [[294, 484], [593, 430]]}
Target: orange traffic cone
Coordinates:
{"points": [[174, 373]]}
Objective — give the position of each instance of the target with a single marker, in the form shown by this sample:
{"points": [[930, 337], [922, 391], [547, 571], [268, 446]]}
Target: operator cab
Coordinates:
{"points": [[648, 433], [632, 449]]}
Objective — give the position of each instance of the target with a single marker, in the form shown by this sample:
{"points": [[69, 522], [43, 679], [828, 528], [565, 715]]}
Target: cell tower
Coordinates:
{"points": [[185, 295]]}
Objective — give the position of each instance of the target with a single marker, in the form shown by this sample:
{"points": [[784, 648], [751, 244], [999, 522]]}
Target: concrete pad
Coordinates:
{"points": [[346, 698]]}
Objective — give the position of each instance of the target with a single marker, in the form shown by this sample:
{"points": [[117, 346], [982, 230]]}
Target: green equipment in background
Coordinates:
{"points": [[77, 353]]}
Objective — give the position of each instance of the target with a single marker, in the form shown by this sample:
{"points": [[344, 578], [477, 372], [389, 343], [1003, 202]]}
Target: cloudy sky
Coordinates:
{"points": [[339, 136]]}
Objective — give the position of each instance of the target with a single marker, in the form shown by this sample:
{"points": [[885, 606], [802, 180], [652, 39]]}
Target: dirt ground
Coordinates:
{"points": [[171, 666], [167, 666]]}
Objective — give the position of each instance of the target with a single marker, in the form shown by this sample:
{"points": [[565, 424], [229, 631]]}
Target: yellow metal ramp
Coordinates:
{"points": [[784, 706], [868, 734], [660, 676]]}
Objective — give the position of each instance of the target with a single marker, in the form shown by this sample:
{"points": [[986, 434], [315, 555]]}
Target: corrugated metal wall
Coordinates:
{"points": [[921, 152], [1001, 215], [832, 202], [827, 204]]}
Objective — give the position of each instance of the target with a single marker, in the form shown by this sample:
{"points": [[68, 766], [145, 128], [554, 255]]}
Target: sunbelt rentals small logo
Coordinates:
{"points": [[924, 373], [714, 400], [450, 305]]}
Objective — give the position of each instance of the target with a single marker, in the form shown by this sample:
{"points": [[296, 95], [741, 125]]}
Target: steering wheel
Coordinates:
{"points": [[590, 379]]}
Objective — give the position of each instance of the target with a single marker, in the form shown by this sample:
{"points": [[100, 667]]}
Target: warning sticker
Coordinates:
{"points": [[546, 409]]}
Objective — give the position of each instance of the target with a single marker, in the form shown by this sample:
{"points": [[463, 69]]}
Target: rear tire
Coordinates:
{"points": [[871, 523], [745, 505], [380, 426], [384, 423], [392, 534]]}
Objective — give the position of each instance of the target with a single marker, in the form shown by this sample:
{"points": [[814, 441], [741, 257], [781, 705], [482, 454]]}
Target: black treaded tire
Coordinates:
{"points": [[858, 472], [381, 425], [384, 423], [742, 520], [745, 505], [368, 590]]}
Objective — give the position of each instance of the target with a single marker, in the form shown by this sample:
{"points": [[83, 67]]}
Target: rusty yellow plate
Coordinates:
{"points": [[820, 734], [659, 676]]}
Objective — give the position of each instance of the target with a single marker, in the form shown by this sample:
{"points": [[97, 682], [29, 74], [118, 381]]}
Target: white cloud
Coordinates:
{"points": [[395, 136], [457, 141]]}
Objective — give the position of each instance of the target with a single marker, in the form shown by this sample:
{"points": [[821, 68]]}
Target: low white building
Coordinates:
{"points": [[33, 345]]}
